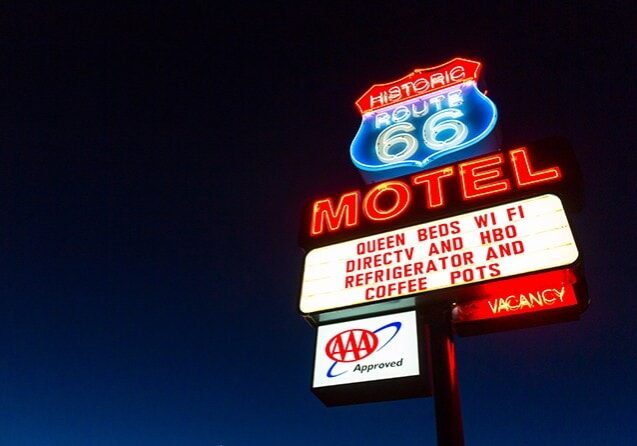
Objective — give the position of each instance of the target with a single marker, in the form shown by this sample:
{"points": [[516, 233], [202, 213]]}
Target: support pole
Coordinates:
{"points": [[445, 382]]}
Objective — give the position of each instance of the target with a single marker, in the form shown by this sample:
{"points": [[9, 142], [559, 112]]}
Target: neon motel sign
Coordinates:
{"points": [[447, 218], [430, 117], [532, 293], [477, 179]]}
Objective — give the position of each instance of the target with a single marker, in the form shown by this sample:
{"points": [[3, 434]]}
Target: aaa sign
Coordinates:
{"points": [[501, 241]]}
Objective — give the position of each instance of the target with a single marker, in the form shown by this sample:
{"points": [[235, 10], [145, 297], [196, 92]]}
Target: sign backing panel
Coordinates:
{"points": [[374, 359], [502, 241]]}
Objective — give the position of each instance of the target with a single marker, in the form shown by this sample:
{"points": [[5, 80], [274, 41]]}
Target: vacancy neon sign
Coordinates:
{"points": [[534, 293]]}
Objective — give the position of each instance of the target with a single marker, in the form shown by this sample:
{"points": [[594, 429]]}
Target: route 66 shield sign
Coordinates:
{"points": [[430, 117]]}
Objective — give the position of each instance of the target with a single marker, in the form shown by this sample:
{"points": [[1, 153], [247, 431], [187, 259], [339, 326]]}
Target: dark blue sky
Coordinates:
{"points": [[154, 160]]}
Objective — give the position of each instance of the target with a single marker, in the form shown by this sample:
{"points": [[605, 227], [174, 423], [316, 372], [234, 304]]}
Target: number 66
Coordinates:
{"points": [[434, 125]]}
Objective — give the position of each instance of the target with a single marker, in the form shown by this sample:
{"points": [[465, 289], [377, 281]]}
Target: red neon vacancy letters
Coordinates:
{"points": [[521, 295]]}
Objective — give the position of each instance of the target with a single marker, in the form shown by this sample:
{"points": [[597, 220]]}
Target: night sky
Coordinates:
{"points": [[154, 162]]}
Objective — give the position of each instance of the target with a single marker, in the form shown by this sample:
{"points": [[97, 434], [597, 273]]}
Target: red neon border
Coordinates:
{"points": [[363, 103]]}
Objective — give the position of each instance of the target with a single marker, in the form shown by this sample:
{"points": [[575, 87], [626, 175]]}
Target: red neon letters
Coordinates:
{"points": [[419, 82], [401, 195], [525, 176], [325, 217], [478, 178], [432, 179], [527, 294]]}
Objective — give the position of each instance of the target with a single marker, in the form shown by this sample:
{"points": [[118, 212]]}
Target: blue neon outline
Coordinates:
{"points": [[433, 156]]}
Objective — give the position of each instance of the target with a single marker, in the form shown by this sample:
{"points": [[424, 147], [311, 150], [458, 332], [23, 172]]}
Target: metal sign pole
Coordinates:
{"points": [[445, 382]]}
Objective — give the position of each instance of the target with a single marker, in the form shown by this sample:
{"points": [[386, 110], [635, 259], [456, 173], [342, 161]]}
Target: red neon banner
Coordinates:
{"points": [[417, 83], [521, 295]]}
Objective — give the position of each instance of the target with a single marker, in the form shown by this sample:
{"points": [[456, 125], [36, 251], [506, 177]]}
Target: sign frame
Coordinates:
{"points": [[452, 293], [415, 386]]}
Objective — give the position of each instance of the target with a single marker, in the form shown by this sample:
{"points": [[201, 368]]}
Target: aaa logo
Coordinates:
{"points": [[351, 345], [356, 344], [428, 118]]}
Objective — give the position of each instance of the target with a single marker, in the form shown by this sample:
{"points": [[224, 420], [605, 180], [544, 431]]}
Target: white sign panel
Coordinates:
{"points": [[369, 349], [505, 240]]}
